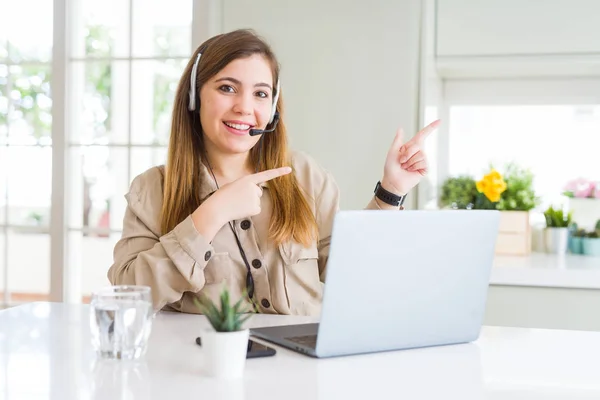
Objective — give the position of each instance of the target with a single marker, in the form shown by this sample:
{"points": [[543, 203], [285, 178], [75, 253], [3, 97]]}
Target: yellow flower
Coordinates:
{"points": [[492, 185]]}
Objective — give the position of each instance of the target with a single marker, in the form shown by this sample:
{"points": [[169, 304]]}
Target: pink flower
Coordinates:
{"points": [[597, 190], [584, 192], [580, 188]]}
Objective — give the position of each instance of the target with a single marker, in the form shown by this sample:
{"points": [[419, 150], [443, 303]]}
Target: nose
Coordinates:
{"points": [[243, 104]]}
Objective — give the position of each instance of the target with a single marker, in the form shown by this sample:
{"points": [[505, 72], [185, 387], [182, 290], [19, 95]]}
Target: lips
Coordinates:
{"points": [[240, 126]]}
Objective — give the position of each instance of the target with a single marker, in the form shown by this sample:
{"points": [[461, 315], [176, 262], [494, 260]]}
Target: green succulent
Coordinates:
{"points": [[593, 234], [580, 233], [557, 218], [226, 318]]}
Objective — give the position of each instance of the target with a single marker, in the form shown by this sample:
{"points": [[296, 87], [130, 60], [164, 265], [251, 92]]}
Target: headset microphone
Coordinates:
{"points": [[274, 118], [254, 132]]}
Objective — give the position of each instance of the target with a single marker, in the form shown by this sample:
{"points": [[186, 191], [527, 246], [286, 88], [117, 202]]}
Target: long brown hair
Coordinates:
{"points": [[291, 217]]}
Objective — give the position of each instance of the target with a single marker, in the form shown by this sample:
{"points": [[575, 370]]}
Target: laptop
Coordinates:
{"points": [[399, 280]]}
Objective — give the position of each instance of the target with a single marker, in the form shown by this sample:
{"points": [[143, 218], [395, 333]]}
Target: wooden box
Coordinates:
{"points": [[514, 236]]}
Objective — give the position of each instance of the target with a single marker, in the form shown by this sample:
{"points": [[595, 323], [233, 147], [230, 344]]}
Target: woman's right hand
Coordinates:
{"points": [[236, 200]]}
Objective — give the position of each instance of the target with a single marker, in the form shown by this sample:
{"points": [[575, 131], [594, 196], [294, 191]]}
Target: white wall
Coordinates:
{"points": [[517, 27], [514, 38], [350, 77]]}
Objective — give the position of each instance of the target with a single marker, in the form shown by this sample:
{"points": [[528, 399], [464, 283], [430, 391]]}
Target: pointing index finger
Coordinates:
{"points": [[269, 174], [428, 129]]}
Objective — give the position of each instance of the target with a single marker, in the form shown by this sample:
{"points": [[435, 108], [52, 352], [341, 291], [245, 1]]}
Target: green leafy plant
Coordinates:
{"points": [[557, 218], [519, 194], [598, 225], [461, 192], [458, 192], [226, 318]]}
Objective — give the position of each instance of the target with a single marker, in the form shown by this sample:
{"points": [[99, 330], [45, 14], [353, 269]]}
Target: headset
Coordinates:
{"points": [[194, 106]]}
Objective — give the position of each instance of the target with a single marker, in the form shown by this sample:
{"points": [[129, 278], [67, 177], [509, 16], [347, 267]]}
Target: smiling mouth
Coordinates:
{"points": [[239, 127]]}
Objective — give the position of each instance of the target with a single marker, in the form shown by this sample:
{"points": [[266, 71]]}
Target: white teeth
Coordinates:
{"points": [[240, 127]]}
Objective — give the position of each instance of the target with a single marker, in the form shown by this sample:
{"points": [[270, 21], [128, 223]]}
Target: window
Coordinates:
{"points": [[25, 150], [557, 142], [125, 60], [551, 126], [125, 72]]}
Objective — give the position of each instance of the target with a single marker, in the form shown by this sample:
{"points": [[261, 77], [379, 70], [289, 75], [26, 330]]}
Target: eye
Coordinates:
{"points": [[262, 95], [226, 89]]}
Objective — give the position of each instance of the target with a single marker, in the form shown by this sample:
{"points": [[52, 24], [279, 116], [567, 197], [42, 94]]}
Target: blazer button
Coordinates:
{"points": [[256, 263], [265, 303], [207, 256], [245, 224]]}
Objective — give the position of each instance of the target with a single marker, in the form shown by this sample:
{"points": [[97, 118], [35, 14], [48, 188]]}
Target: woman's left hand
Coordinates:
{"points": [[406, 163]]}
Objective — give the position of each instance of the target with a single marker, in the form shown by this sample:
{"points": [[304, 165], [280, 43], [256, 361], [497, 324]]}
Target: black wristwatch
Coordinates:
{"points": [[388, 197]]}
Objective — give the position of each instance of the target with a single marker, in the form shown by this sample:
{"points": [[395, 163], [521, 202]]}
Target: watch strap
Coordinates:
{"points": [[388, 197]]}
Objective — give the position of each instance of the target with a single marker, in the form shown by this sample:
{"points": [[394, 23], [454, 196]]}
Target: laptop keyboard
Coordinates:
{"points": [[307, 340]]}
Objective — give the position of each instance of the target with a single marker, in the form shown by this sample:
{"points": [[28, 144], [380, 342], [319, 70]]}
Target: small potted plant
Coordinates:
{"points": [[36, 217], [557, 230], [591, 242], [584, 200], [226, 344], [576, 239], [512, 193]]}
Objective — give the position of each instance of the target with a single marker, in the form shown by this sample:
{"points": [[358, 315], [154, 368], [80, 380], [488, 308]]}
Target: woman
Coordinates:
{"points": [[232, 207]]}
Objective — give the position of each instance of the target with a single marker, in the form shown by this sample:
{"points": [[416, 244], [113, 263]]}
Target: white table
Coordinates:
{"points": [[45, 353]]}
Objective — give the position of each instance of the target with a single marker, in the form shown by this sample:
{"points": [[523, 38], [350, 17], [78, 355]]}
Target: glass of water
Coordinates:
{"points": [[121, 321]]}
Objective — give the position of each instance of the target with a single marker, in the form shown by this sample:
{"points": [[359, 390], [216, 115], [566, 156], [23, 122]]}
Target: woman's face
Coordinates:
{"points": [[234, 101]]}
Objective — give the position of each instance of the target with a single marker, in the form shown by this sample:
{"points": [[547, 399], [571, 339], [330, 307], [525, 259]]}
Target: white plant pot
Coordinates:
{"points": [[557, 240], [585, 212], [225, 353]]}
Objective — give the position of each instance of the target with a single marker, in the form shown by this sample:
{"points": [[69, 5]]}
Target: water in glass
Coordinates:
{"points": [[121, 321]]}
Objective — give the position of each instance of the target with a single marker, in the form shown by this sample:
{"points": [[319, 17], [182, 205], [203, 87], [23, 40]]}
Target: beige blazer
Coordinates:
{"points": [[178, 266]]}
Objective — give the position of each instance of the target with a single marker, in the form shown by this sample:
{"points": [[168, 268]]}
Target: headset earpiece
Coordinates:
{"points": [[192, 91], [275, 99]]}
